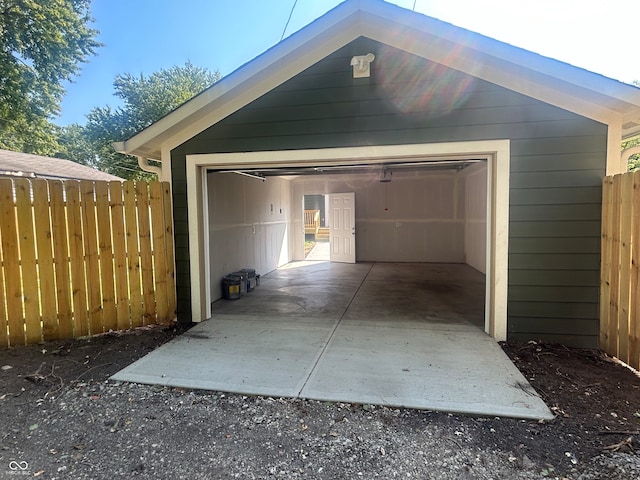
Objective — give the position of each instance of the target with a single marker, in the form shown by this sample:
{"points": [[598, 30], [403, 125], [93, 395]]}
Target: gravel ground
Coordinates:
{"points": [[62, 419]]}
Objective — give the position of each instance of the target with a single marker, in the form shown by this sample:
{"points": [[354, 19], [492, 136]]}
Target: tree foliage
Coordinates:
{"points": [[75, 146], [634, 161], [42, 43], [145, 99]]}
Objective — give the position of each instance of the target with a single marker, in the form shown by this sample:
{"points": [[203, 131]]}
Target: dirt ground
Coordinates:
{"points": [[62, 418]]}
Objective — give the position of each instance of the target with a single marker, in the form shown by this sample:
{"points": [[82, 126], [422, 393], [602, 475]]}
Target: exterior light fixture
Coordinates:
{"points": [[362, 65]]}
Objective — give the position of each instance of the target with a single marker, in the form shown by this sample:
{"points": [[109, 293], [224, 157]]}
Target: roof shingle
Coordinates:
{"points": [[16, 164]]}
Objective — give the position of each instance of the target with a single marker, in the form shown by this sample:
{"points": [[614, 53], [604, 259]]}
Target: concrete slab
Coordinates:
{"points": [[432, 366], [406, 335], [248, 354]]}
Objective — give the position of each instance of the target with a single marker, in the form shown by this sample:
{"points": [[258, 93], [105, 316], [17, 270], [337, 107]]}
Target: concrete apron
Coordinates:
{"points": [[403, 335]]}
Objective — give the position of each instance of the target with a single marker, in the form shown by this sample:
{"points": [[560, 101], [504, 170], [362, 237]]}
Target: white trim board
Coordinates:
{"points": [[496, 152]]}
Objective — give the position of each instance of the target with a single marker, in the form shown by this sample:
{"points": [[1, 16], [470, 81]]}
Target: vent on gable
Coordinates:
{"points": [[362, 65]]}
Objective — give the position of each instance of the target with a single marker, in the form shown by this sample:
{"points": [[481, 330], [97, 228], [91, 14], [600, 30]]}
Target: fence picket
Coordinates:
{"points": [[106, 256], [626, 189], [169, 240], [76, 255], [11, 256], [44, 235], [4, 339], [31, 297], [61, 235], [133, 253], [159, 252], [120, 256], [90, 230], [146, 259]]}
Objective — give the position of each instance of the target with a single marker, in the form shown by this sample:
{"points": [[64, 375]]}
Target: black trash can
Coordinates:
{"points": [[231, 286]]}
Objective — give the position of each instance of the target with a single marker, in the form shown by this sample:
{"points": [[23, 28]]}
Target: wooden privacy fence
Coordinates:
{"points": [[620, 268], [81, 258]]}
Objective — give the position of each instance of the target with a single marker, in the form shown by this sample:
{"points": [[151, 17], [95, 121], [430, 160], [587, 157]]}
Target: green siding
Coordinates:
{"points": [[557, 163]]}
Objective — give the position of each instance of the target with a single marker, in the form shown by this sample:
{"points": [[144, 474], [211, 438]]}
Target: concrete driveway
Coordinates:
{"points": [[406, 335]]}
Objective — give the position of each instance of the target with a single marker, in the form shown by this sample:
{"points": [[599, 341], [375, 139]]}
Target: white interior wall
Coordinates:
{"points": [[475, 236], [417, 217], [248, 225]]}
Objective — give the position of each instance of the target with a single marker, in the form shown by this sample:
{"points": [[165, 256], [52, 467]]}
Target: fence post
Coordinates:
{"points": [[605, 260]]}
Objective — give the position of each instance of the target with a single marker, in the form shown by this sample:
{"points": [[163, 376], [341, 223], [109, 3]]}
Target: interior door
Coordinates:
{"points": [[342, 230]]}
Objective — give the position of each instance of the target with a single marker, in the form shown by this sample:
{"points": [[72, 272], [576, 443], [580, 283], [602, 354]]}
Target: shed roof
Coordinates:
{"points": [[575, 89], [16, 164]]}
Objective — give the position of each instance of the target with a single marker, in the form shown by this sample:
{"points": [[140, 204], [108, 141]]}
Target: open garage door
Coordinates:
{"points": [[288, 164]]}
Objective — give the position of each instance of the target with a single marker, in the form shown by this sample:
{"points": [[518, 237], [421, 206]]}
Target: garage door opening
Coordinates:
{"points": [[316, 228], [408, 213], [462, 187]]}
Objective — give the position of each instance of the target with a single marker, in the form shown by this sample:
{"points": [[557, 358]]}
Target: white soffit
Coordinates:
{"points": [[585, 93]]}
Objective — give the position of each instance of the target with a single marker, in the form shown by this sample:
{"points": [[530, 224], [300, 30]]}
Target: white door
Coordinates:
{"points": [[342, 231]]}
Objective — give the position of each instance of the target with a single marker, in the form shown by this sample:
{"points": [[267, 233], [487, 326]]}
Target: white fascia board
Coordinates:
{"points": [[618, 92], [473, 58]]}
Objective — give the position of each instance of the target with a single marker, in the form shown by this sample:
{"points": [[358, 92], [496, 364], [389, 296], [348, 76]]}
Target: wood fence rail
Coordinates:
{"points": [[620, 268], [80, 258]]}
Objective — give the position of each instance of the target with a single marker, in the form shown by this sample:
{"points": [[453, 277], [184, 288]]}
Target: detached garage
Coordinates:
{"points": [[454, 148]]}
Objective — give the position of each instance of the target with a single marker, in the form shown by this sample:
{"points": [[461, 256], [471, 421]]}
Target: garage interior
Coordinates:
{"points": [[418, 212]]}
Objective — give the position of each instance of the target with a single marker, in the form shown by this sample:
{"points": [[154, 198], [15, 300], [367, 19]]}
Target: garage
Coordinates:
{"points": [[491, 158]]}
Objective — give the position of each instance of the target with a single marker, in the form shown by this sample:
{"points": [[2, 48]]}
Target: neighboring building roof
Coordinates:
{"points": [[16, 164], [583, 92]]}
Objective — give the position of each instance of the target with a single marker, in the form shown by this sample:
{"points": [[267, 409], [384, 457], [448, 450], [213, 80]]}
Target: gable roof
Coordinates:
{"points": [[580, 91], [16, 164]]}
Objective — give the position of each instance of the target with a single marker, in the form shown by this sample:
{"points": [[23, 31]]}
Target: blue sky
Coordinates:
{"points": [[144, 36]]}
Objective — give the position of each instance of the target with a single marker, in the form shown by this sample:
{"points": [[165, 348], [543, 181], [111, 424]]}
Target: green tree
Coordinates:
{"points": [[145, 100], [75, 146], [634, 161], [42, 43]]}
